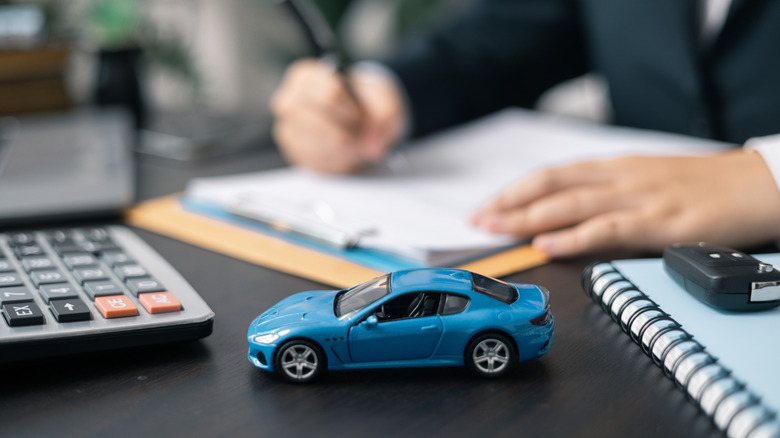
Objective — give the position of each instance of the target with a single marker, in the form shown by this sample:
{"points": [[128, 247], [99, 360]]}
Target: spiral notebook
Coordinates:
{"points": [[728, 363]]}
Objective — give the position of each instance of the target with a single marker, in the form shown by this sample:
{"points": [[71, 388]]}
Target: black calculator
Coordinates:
{"points": [[77, 290]]}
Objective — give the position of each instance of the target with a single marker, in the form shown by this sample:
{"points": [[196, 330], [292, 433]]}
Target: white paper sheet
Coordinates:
{"points": [[417, 204]]}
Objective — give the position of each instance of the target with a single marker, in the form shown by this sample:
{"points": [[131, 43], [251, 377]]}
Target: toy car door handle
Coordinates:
{"points": [[428, 328]]}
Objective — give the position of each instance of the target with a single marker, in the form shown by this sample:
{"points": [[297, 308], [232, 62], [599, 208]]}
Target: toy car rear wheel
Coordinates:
{"points": [[491, 355], [299, 361]]}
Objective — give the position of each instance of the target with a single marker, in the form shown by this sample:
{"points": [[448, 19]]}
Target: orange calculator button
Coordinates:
{"points": [[159, 302], [115, 306]]}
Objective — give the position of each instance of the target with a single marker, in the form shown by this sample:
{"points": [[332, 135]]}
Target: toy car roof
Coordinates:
{"points": [[431, 279]]}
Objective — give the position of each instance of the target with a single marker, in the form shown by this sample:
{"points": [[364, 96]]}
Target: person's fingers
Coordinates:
{"points": [[607, 231], [316, 125], [375, 144], [331, 97], [321, 125], [314, 86], [557, 210], [547, 181], [288, 93], [318, 144], [383, 111], [680, 199]]}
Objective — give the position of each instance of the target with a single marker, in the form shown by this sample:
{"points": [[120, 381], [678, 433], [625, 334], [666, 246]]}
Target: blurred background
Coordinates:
{"points": [[213, 59], [190, 68]]}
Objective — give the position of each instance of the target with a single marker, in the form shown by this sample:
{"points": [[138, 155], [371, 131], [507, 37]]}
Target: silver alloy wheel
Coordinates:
{"points": [[299, 362], [491, 356]]}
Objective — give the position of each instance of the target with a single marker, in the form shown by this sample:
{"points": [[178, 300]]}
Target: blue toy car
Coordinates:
{"points": [[411, 318]]}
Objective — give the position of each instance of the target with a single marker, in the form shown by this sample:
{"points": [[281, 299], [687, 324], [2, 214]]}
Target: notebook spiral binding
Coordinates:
{"points": [[733, 408]]}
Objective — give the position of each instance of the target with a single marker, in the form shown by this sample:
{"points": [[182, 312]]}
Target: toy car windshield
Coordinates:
{"points": [[360, 296]]}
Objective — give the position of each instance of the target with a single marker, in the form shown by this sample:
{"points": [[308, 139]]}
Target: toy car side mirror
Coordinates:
{"points": [[372, 321]]}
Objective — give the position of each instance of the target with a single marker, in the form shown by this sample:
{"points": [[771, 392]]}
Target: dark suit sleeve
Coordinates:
{"points": [[499, 53]]}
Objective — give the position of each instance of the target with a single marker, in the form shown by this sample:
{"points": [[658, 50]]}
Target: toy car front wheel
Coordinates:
{"points": [[490, 355], [299, 361]]}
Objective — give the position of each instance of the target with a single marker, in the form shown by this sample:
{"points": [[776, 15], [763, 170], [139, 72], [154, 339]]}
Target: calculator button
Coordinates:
{"points": [[6, 266], [28, 250], [18, 294], [130, 271], [159, 302], [101, 289], [89, 274], [47, 277], [56, 291], [97, 234], [17, 239], [22, 314], [67, 247], [79, 260], [58, 236], [141, 285], [116, 258], [70, 310], [115, 306], [96, 247], [37, 262], [10, 279]]}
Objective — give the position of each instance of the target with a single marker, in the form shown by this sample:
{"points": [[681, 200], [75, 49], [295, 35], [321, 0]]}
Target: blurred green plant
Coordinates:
{"points": [[114, 24], [108, 25]]}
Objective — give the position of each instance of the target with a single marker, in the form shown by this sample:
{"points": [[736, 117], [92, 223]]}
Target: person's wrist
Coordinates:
{"points": [[768, 148], [766, 191]]}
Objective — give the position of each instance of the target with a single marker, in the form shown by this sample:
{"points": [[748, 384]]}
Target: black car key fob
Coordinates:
{"points": [[723, 278]]}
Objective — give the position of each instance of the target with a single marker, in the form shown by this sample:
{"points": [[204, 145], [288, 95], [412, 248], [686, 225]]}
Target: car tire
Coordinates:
{"points": [[491, 355], [299, 361]]}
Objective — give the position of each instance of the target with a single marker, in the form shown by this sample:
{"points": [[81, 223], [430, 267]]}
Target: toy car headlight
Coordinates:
{"points": [[268, 338]]}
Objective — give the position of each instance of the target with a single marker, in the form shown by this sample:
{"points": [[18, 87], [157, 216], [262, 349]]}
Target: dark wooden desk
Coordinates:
{"points": [[593, 382]]}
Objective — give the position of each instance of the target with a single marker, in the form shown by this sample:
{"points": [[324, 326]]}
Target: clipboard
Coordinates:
{"points": [[167, 216], [497, 143]]}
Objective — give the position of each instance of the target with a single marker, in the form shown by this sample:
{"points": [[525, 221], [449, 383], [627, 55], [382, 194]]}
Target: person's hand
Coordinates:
{"points": [[643, 203], [319, 126]]}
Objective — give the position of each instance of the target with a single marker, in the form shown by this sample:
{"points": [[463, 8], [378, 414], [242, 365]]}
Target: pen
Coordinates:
{"points": [[321, 39]]}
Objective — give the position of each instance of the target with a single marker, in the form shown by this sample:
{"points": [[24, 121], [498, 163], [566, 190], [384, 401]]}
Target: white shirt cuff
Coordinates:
{"points": [[769, 148]]}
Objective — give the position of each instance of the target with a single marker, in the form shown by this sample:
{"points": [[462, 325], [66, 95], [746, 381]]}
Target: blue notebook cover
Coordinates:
{"points": [[727, 362]]}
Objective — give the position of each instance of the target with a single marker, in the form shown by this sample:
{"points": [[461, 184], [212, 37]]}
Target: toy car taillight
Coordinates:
{"points": [[543, 319]]}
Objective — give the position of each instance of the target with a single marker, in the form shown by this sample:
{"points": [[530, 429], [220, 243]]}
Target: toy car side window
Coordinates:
{"points": [[428, 305], [453, 304], [411, 305], [494, 288]]}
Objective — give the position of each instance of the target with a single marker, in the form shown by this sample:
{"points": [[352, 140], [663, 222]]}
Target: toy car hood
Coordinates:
{"points": [[304, 307]]}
